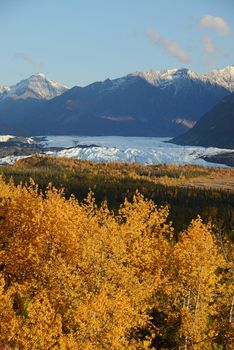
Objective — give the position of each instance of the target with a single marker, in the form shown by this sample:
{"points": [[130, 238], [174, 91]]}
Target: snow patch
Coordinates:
{"points": [[5, 138], [10, 160], [223, 77]]}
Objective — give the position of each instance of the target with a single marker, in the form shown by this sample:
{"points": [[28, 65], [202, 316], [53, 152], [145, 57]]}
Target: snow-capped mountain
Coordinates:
{"points": [[4, 89], [153, 103], [164, 78], [178, 80], [177, 77], [37, 86], [223, 77]]}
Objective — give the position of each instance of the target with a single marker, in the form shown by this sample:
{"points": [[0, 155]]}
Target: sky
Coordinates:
{"points": [[77, 42]]}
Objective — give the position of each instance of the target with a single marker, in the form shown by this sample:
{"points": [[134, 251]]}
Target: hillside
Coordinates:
{"points": [[215, 128]]}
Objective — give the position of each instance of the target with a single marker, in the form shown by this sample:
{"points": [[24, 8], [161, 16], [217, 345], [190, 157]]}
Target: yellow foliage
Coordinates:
{"points": [[196, 259], [86, 271], [76, 276]]}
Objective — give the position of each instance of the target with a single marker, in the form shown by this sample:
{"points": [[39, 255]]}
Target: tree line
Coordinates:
{"points": [[164, 184]]}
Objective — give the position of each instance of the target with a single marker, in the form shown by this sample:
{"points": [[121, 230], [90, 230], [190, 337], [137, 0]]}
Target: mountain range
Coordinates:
{"points": [[153, 103]]}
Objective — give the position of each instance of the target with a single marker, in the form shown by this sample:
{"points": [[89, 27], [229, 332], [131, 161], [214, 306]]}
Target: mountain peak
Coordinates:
{"points": [[152, 103], [223, 76], [42, 75], [165, 77], [37, 86], [178, 76], [39, 76]]}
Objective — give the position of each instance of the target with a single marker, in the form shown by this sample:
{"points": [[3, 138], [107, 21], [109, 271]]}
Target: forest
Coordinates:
{"points": [[98, 256], [178, 187]]}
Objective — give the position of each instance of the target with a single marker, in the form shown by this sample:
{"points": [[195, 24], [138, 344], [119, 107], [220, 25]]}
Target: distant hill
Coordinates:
{"points": [[153, 103], [215, 128]]}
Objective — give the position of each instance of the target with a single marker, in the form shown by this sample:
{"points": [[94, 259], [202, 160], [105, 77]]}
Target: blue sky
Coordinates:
{"points": [[77, 42]]}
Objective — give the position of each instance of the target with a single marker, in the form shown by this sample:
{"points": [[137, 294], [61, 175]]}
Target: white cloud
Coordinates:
{"points": [[216, 23], [211, 53], [24, 57], [168, 45], [208, 45], [28, 59]]}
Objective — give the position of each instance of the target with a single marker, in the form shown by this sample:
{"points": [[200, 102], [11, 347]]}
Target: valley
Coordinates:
{"points": [[189, 190], [117, 175]]}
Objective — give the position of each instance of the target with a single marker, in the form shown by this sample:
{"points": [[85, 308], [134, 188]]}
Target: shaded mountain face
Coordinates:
{"points": [[154, 103], [215, 128]]}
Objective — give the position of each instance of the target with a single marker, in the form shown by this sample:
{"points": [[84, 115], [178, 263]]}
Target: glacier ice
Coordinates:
{"points": [[143, 150]]}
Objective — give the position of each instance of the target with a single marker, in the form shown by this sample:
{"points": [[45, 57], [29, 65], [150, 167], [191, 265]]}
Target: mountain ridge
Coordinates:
{"points": [[153, 103], [223, 77]]}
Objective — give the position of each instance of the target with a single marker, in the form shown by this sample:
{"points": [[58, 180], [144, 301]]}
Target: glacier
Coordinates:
{"points": [[143, 150]]}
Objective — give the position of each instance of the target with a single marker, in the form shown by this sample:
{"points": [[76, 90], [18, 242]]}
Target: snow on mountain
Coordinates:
{"points": [[4, 89], [177, 77], [40, 87], [223, 77], [6, 138], [37, 86], [153, 103], [162, 79]]}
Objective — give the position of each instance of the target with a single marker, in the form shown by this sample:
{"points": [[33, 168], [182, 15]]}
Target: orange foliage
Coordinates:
{"points": [[75, 276]]}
